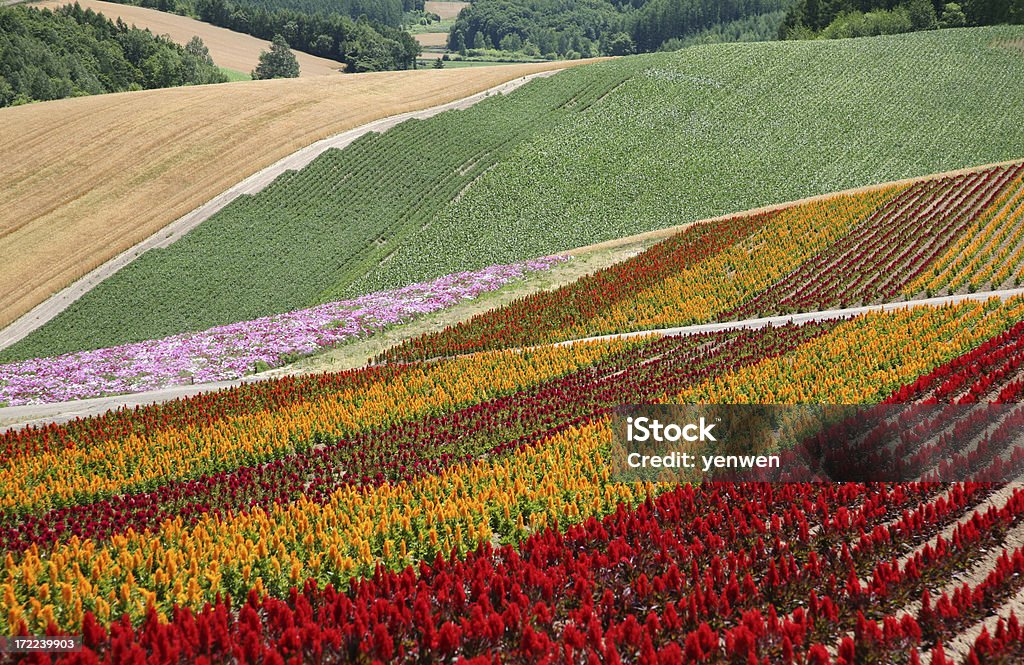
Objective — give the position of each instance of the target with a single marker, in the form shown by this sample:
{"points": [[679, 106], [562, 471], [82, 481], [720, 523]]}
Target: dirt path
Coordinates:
{"points": [[38, 414], [58, 302], [228, 48]]}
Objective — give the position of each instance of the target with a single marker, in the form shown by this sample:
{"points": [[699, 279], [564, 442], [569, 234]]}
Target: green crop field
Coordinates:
{"points": [[235, 75], [592, 154]]}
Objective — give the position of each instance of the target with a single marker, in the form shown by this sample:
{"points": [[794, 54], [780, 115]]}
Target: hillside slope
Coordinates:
{"points": [[717, 129], [229, 49], [86, 178], [594, 154]]}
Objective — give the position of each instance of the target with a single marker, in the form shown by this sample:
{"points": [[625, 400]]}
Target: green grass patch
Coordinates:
{"points": [[235, 75], [595, 153]]}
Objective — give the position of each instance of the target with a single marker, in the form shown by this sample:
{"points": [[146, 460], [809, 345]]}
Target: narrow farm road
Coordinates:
{"points": [[58, 302], [13, 417], [806, 317]]}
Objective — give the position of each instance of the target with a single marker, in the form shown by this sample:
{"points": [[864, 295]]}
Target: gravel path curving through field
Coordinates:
{"points": [[807, 317], [13, 417], [57, 303]]}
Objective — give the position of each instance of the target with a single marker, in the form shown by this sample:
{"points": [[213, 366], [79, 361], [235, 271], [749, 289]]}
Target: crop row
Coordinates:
{"points": [[718, 574], [877, 258], [988, 253], [845, 251], [414, 447], [868, 361]]}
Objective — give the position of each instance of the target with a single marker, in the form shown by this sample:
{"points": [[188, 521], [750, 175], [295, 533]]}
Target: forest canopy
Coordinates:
{"points": [[582, 28], [72, 51], [866, 18]]}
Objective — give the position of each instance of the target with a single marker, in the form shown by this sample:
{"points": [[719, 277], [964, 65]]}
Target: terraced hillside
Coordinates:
{"points": [[469, 507], [593, 154]]}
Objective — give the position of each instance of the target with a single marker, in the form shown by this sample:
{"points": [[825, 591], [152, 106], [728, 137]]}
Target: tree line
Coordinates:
{"points": [[863, 18], [72, 51], [608, 27], [318, 27]]}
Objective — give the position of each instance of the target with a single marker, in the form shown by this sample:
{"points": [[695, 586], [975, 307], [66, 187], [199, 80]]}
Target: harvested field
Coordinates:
{"points": [[445, 10], [228, 48], [432, 39], [86, 178]]}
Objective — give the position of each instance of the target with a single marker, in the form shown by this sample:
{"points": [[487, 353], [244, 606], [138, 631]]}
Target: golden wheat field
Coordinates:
{"points": [[86, 178], [445, 10], [228, 48], [432, 39]]}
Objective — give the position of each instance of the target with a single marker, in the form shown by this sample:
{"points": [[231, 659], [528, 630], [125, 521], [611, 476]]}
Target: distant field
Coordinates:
{"points": [[445, 10], [432, 38], [597, 153], [230, 49], [436, 34], [86, 178], [458, 64]]}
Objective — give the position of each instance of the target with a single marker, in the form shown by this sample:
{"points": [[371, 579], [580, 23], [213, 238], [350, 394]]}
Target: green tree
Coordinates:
{"points": [[511, 42], [438, 64], [457, 42], [922, 14], [197, 49], [6, 92], [278, 62], [1017, 11], [621, 44], [953, 16]]}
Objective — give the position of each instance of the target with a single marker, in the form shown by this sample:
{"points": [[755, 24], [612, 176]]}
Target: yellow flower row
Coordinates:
{"points": [[979, 257], [864, 358], [725, 280], [44, 480]]}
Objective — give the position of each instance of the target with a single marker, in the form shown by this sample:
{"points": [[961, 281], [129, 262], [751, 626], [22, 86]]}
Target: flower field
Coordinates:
{"points": [[462, 501], [463, 509], [231, 351], [895, 243]]}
